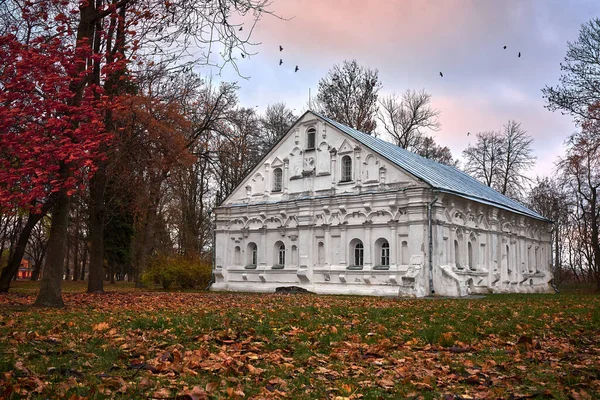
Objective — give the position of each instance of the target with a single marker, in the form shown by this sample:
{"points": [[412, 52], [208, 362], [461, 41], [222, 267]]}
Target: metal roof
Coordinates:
{"points": [[442, 177]]}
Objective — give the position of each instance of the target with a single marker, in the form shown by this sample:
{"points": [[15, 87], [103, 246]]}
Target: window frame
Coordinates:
{"points": [[385, 254], [254, 255], [359, 255], [277, 180], [346, 172], [311, 138], [281, 255]]}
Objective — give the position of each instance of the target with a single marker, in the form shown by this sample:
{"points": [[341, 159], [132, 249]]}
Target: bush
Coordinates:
{"points": [[179, 271]]}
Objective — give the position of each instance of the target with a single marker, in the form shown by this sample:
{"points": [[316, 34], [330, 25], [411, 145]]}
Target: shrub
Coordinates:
{"points": [[178, 271]]}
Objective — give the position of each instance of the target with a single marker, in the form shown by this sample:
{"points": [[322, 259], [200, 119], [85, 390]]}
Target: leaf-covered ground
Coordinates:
{"points": [[133, 344]]}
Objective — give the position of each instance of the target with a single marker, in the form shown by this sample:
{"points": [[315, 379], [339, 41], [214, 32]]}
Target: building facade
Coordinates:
{"points": [[336, 211]]}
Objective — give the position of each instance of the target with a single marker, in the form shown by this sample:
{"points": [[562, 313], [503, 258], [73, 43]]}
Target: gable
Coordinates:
{"points": [[317, 170]]}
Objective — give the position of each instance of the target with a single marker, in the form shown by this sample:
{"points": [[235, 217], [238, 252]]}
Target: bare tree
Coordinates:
{"points": [[517, 158], [237, 150], [580, 82], [581, 175], [275, 123], [484, 159], [500, 159], [406, 119], [426, 147], [348, 94], [549, 198]]}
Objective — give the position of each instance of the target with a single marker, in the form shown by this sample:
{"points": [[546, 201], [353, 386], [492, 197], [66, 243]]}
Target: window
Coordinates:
{"points": [[281, 255], [346, 169], [310, 138], [358, 254], [277, 181], [470, 255], [252, 255], [385, 253]]}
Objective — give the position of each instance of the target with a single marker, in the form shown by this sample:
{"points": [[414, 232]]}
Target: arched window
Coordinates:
{"points": [[310, 138], [252, 255], [404, 253], [385, 253], [277, 179], [470, 254], [359, 252], [346, 169], [281, 255]]}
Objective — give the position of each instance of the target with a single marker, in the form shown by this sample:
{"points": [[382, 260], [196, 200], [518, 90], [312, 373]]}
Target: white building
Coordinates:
{"points": [[334, 210]]}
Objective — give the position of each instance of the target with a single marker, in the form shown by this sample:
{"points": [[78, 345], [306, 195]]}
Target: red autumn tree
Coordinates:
{"points": [[51, 134], [42, 130], [52, 83]]}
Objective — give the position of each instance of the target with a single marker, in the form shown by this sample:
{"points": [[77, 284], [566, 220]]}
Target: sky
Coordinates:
{"points": [[410, 42]]}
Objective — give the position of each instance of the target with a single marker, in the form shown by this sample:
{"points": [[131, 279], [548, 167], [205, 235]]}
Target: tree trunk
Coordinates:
{"points": [[97, 189], [12, 267], [84, 262], [557, 261], [37, 266], [147, 244], [50, 288], [68, 257], [76, 243]]}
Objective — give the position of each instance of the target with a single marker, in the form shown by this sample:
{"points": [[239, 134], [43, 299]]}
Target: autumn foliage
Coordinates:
{"points": [[133, 344], [44, 132]]}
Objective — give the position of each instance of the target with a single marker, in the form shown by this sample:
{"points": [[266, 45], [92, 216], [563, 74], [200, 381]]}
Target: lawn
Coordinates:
{"points": [[130, 343]]}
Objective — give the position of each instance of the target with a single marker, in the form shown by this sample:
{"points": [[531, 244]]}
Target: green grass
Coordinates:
{"points": [[297, 346]]}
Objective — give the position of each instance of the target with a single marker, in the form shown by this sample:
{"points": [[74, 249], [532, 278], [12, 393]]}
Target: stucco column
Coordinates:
{"points": [[368, 261], [264, 252], [517, 269], [358, 169], [465, 250], [286, 174], [333, 167], [393, 244], [343, 245], [328, 249], [267, 178]]}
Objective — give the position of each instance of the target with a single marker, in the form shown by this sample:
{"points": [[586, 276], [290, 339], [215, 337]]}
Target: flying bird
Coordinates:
{"points": [[243, 55], [468, 133], [442, 75], [296, 70], [280, 61], [504, 47], [241, 27], [519, 55], [280, 48]]}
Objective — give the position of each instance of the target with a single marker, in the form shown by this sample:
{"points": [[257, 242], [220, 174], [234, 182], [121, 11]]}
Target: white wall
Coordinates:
{"points": [[318, 218]]}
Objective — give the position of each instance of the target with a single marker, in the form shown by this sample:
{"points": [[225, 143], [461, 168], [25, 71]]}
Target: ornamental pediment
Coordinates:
{"points": [[345, 148], [277, 163]]}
